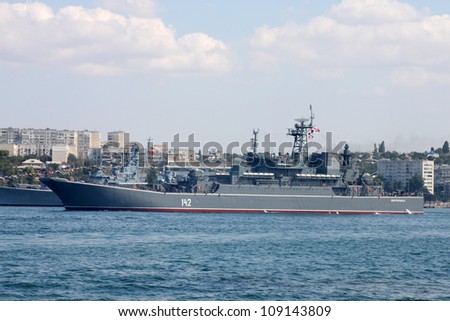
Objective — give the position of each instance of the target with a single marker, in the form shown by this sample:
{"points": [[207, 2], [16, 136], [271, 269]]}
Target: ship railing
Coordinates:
{"points": [[317, 176], [258, 175]]}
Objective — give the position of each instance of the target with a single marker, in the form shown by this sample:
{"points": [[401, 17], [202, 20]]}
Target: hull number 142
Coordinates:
{"points": [[186, 202]]}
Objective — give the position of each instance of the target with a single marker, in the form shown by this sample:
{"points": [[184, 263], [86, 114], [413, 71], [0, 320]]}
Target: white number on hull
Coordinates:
{"points": [[186, 202]]}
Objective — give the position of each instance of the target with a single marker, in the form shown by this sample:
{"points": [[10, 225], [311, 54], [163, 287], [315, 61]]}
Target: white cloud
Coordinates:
{"points": [[416, 77], [374, 11], [378, 90], [358, 34], [98, 41], [138, 8]]}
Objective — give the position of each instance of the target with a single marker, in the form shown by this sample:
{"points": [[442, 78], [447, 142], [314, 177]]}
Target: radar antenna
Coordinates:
{"points": [[300, 133]]}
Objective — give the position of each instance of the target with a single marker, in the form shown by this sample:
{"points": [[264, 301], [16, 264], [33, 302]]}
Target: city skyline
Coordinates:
{"points": [[12, 137], [373, 70]]}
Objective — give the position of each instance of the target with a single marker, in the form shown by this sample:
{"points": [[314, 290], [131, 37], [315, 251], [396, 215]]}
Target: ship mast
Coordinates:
{"points": [[254, 140], [300, 134]]}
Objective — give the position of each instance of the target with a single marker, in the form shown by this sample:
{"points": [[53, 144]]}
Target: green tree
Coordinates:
{"points": [[417, 155], [375, 153], [416, 184], [403, 156], [382, 148], [152, 176], [6, 165], [29, 174], [45, 158], [445, 148], [388, 186], [72, 160], [391, 155], [31, 156], [4, 154], [398, 186]]}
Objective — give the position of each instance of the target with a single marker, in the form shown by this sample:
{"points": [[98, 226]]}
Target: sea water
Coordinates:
{"points": [[53, 254]]}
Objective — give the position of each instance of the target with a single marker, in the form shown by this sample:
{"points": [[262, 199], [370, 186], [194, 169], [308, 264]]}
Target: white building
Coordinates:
{"points": [[12, 149], [47, 137], [40, 142], [60, 153], [119, 137], [9, 135], [442, 179], [33, 149], [86, 142], [34, 163], [404, 170]]}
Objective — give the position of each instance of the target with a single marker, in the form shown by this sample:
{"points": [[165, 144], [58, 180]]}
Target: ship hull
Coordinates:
{"points": [[235, 199], [11, 196]]}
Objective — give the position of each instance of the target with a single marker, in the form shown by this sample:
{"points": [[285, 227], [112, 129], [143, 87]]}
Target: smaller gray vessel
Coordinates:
{"points": [[25, 195]]}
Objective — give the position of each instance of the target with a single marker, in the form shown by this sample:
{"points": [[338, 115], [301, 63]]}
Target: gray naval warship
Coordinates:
{"points": [[320, 183], [26, 195]]}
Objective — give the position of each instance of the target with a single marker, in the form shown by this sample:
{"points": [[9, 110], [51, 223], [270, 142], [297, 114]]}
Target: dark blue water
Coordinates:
{"points": [[52, 254]]}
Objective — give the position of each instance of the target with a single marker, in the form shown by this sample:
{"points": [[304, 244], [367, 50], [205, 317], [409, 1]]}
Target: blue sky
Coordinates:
{"points": [[373, 69]]}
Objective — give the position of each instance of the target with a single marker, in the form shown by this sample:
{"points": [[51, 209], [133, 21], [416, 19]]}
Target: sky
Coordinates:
{"points": [[373, 70]]}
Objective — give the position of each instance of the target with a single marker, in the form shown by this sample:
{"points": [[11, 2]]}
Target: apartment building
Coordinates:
{"points": [[404, 170], [119, 137], [47, 137], [86, 142], [442, 180], [9, 136], [40, 142]]}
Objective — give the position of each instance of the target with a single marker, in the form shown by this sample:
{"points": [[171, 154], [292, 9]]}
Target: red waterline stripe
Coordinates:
{"points": [[208, 210]]}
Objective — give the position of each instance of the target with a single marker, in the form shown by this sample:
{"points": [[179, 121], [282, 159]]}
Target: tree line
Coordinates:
{"points": [[11, 174], [440, 155]]}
